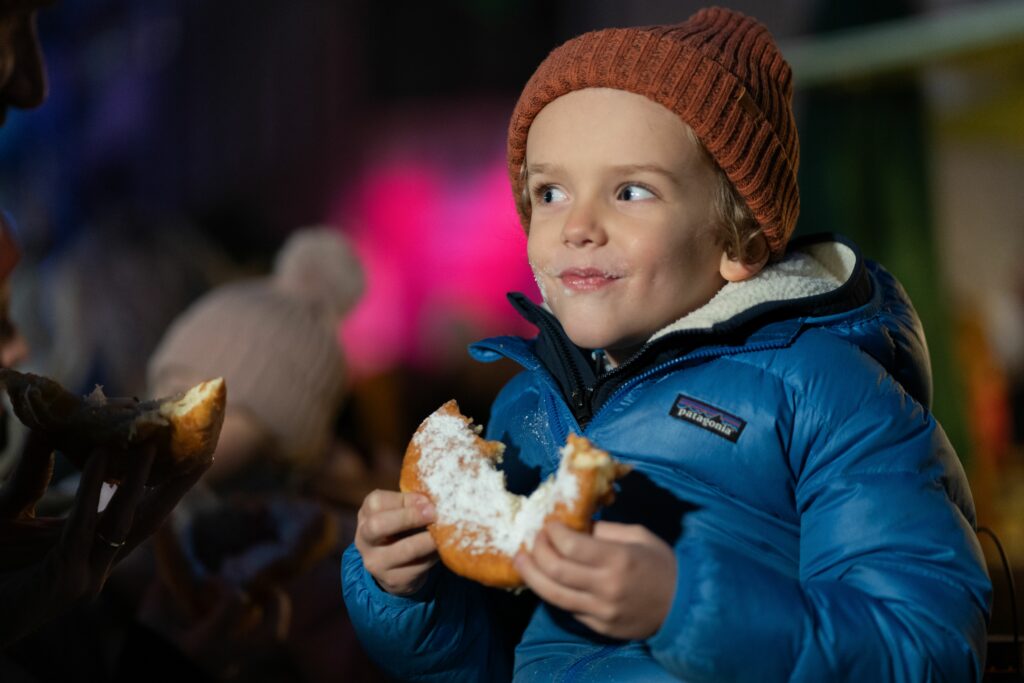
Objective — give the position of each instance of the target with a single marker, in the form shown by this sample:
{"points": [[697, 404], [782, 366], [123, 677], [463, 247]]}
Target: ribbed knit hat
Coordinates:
{"points": [[719, 71], [274, 340]]}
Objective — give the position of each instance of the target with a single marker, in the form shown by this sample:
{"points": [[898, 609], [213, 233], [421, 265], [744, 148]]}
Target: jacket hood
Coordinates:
{"points": [[823, 282], [805, 275]]}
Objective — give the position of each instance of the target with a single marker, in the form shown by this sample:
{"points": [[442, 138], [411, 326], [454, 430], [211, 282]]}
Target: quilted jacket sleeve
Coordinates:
{"points": [[452, 629], [442, 633], [892, 585]]}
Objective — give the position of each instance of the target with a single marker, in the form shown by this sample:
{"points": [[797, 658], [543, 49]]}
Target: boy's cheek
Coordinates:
{"points": [[544, 284]]}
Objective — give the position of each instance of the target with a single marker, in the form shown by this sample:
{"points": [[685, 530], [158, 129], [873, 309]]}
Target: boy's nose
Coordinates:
{"points": [[584, 226]]}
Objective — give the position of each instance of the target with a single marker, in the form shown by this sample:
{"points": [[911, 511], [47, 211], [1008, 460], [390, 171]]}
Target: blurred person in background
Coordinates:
{"points": [[275, 341], [22, 73], [51, 565], [154, 266]]}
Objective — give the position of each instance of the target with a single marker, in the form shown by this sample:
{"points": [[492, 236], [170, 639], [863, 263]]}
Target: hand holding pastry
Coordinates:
{"points": [[50, 564], [184, 428], [155, 451], [481, 525], [619, 582], [397, 550]]}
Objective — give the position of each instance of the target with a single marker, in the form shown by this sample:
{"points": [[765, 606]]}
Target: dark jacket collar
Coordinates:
{"points": [[774, 323]]}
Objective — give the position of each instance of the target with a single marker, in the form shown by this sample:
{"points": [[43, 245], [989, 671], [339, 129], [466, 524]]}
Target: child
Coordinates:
{"points": [[795, 512], [274, 340]]}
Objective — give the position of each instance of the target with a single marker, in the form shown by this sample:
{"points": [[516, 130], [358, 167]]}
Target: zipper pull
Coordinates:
{"points": [[577, 400], [581, 404]]}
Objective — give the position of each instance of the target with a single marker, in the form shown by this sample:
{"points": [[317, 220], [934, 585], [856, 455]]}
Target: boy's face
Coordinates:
{"points": [[622, 237]]}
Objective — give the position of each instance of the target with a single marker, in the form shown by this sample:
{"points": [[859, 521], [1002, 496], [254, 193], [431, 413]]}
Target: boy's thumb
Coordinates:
{"points": [[623, 533]]}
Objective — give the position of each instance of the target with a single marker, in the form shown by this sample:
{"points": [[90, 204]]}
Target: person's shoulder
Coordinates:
{"points": [[814, 352], [827, 372]]}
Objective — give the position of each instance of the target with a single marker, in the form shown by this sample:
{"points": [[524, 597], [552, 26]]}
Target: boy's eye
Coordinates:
{"points": [[550, 194], [633, 193]]}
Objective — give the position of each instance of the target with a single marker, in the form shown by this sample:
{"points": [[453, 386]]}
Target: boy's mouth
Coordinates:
{"points": [[586, 279]]}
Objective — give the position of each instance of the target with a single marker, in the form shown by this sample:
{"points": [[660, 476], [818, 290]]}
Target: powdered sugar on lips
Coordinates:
{"points": [[469, 493], [586, 279]]}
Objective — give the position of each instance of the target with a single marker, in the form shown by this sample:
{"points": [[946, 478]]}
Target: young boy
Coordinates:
{"points": [[795, 512]]}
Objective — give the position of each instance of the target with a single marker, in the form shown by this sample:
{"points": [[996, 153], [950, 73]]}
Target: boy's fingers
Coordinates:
{"points": [[622, 533], [409, 550], [415, 500], [400, 564], [576, 546], [409, 579], [564, 597], [31, 477], [381, 527], [379, 500], [562, 570], [593, 623]]}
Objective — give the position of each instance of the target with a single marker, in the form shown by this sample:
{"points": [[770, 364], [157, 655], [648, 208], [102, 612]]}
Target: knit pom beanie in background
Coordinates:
{"points": [[719, 71], [274, 340]]}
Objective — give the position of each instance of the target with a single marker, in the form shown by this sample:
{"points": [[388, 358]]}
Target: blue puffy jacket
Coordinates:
{"points": [[782, 444]]}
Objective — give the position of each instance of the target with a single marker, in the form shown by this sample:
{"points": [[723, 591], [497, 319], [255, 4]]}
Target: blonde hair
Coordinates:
{"points": [[737, 230]]}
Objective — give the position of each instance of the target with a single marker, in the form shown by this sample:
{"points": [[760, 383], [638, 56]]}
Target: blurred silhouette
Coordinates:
{"points": [[247, 573], [51, 565], [274, 340]]}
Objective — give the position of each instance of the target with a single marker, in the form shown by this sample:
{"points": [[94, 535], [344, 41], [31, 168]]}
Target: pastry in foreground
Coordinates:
{"points": [[184, 427], [480, 525]]}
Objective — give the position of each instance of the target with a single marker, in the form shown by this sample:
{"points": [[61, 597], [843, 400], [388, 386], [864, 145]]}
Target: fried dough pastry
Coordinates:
{"points": [[481, 525], [184, 427]]}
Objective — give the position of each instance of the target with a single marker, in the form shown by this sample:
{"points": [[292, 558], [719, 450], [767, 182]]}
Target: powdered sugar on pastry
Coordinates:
{"points": [[470, 493], [481, 525]]}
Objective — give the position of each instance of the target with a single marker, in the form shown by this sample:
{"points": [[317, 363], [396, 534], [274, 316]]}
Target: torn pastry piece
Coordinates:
{"points": [[184, 428], [481, 525]]}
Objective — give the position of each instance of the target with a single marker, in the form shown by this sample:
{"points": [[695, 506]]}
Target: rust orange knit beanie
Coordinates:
{"points": [[719, 71]]}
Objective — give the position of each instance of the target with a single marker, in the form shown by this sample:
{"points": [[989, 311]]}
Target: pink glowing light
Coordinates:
{"points": [[441, 249]]}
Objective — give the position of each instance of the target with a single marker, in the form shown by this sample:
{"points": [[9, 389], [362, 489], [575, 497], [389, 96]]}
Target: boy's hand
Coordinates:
{"points": [[618, 582], [398, 559]]}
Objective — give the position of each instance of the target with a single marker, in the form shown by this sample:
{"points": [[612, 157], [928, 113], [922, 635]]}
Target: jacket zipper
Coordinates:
{"points": [[667, 365], [579, 393], [647, 373]]}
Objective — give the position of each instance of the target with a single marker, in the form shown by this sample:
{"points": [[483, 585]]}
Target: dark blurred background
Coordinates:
{"points": [[183, 140]]}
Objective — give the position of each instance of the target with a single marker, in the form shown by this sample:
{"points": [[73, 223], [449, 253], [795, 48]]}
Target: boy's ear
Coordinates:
{"points": [[736, 270]]}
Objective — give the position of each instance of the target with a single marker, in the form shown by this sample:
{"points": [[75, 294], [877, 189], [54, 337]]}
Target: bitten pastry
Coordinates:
{"points": [[184, 427], [480, 525]]}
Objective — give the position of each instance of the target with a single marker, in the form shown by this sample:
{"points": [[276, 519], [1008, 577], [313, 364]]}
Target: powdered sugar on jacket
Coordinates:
{"points": [[783, 446]]}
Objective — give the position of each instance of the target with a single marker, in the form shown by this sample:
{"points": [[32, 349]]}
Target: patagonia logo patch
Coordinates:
{"points": [[708, 417]]}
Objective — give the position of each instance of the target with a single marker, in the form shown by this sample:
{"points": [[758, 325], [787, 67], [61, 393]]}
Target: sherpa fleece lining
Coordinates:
{"points": [[814, 270]]}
